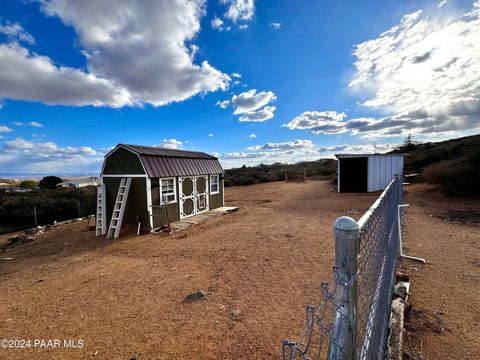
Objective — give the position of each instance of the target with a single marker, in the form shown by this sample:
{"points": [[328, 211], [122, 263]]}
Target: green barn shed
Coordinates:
{"points": [[143, 184]]}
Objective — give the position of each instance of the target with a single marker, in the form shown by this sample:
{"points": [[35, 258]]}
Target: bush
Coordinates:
{"points": [[28, 184], [16, 209], [49, 182], [462, 178], [244, 180]]}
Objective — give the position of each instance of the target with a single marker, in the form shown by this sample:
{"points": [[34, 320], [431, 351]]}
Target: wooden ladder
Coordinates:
{"points": [[101, 226], [119, 208]]}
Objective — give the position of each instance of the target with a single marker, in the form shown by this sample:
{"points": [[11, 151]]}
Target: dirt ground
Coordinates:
{"points": [[445, 316], [259, 267]]}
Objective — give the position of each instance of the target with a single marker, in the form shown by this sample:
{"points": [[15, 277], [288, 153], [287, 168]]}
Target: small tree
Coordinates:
{"points": [[28, 184], [49, 182]]}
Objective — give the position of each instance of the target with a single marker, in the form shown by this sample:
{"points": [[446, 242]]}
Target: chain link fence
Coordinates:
{"points": [[352, 319]]}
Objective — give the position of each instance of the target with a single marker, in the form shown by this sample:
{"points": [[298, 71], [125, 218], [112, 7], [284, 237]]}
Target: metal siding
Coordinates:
{"points": [[371, 174], [158, 167], [163, 152], [381, 168]]}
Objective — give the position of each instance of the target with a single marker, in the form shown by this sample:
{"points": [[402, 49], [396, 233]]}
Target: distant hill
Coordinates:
{"points": [[454, 164], [276, 172]]}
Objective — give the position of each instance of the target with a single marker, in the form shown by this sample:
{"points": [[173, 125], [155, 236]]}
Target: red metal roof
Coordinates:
{"points": [[160, 151], [158, 166], [161, 162]]}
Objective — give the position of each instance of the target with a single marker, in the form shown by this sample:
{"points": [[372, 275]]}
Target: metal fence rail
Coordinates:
{"points": [[353, 317]]}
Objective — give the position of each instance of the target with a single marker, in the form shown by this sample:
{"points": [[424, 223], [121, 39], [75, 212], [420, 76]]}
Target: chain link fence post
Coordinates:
{"points": [[347, 235]]}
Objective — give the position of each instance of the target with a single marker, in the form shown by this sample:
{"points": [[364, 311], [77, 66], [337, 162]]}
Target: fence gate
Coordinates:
{"points": [[193, 195]]}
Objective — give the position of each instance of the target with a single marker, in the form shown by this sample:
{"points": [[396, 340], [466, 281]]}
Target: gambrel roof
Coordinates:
{"points": [[161, 162]]}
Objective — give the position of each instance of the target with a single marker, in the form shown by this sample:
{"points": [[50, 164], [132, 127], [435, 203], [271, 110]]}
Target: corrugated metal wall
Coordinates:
{"points": [[382, 169]]}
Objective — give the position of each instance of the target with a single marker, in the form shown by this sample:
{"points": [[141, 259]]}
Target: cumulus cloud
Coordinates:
{"points": [[5, 129], [253, 136], [303, 145], [111, 38], [27, 76], [297, 151], [423, 72], [223, 104], [326, 122], [251, 100], [285, 152], [239, 9], [211, 135], [235, 75], [261, 115], [252, 105], [14, 31], [171, 144], [46, 157], [357, 149], [275, 25]]}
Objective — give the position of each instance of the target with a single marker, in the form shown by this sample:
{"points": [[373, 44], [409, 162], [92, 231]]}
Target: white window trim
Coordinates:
{"points": [[174, 190], [218, 185]]}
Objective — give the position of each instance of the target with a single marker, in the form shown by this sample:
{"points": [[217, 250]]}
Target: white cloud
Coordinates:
{"points": [[243, 27], [424, 73], [326, 122], [261, 115], [442, 3], [218, 24], [47, 157], [223, 104], [251, 100], [14, 31], [304, 145], [251, 105], [111, 38], [171, 144], [296, 151], [211, 135], [253, 136], [18, 123], [239, 9], [235, 75], [275, 25], [35, 124], [357, 149], [5, 129], [28, 76]]}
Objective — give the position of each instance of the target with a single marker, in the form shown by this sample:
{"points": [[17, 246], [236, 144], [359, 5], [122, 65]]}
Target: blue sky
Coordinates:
{"points": [[251, 81]]}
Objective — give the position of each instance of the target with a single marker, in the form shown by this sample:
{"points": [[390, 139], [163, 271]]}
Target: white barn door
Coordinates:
{"points": [[193, 191]]}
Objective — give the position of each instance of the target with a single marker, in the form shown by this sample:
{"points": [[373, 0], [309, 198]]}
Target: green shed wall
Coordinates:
{"points": [[159, 216], [122, 162], [136, 201], [216, 200]]}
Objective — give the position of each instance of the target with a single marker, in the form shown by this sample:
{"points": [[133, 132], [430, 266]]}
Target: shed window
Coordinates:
{"points": [[167, 191], [213, 184]]}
